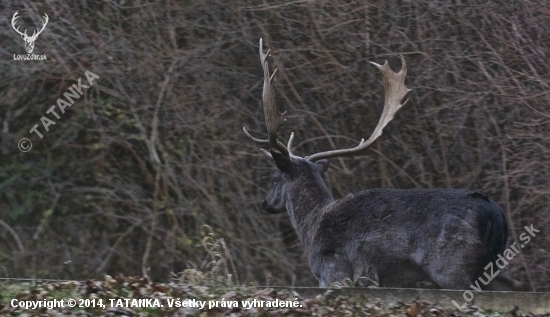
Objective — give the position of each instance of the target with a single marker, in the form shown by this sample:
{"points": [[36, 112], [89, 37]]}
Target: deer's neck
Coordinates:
{"points": [[305, 200]]}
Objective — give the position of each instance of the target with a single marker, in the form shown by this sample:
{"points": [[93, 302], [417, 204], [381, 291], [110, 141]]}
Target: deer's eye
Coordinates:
{"points": [[275, 179]]}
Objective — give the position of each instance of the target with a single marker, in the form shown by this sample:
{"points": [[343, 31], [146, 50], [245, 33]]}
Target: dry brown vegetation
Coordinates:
{"points": [[105, 298], [125, 179]]}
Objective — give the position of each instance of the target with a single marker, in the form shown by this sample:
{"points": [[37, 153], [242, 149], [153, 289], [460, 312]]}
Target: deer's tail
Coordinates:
{"points": [[493, 227]]}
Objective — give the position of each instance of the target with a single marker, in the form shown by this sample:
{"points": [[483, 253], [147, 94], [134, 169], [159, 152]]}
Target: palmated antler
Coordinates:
{"points": [[273, 118], [395, 91]]}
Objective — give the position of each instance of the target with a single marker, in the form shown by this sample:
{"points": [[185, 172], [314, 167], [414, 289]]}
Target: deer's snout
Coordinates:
{"points": [[271, 209]]}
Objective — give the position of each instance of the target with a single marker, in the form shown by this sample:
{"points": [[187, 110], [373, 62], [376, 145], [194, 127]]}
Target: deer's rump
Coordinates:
{"points": [[449, 235]]}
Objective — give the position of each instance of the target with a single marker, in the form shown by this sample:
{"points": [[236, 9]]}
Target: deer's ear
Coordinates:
{"points": [[322, 165], [283, 162]]}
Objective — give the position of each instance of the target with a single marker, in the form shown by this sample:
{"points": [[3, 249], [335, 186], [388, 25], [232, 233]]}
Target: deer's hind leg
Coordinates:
{"points": [[454, 261], [332, 269]]}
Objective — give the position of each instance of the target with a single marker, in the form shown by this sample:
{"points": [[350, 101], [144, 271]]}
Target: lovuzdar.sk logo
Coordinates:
{"points": [[29, 40]]}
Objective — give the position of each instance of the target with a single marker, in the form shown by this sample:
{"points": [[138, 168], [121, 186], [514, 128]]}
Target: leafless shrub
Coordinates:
{"points": [[126, 177]]}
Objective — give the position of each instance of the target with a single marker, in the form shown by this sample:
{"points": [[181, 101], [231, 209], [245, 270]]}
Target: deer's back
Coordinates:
{"points": [[409, 209], [409, 225]]}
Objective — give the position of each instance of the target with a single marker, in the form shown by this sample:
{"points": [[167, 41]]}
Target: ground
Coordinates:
{"points": [[195, 295]]}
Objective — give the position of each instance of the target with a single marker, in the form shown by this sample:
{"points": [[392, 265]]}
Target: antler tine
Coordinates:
{"points": [[35, 33], [273, 118], [289, 144], [256, 140], [266, 142], [395, 91], [46, 19], [13, 23]]}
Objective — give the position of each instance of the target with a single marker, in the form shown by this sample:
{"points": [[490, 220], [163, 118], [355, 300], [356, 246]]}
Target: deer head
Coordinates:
{"points": [[29, 40]]}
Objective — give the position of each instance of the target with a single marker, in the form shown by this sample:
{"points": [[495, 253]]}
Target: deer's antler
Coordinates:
{"points": [[273, 118], [395, 91], [13, 24], [46, 19], [24, 34]]}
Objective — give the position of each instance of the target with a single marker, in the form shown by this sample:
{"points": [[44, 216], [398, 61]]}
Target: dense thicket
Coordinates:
{"points": [[126, 178]]}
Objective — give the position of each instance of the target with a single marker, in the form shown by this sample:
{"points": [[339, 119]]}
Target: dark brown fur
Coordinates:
{"points": [[446, 236]]}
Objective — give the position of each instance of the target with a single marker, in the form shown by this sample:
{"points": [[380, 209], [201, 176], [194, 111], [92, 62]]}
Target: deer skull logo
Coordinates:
{"points": [[29, 40]]}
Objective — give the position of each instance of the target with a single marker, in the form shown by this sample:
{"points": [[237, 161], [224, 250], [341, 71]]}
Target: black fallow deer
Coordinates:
{"points": [[446, 236]]}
